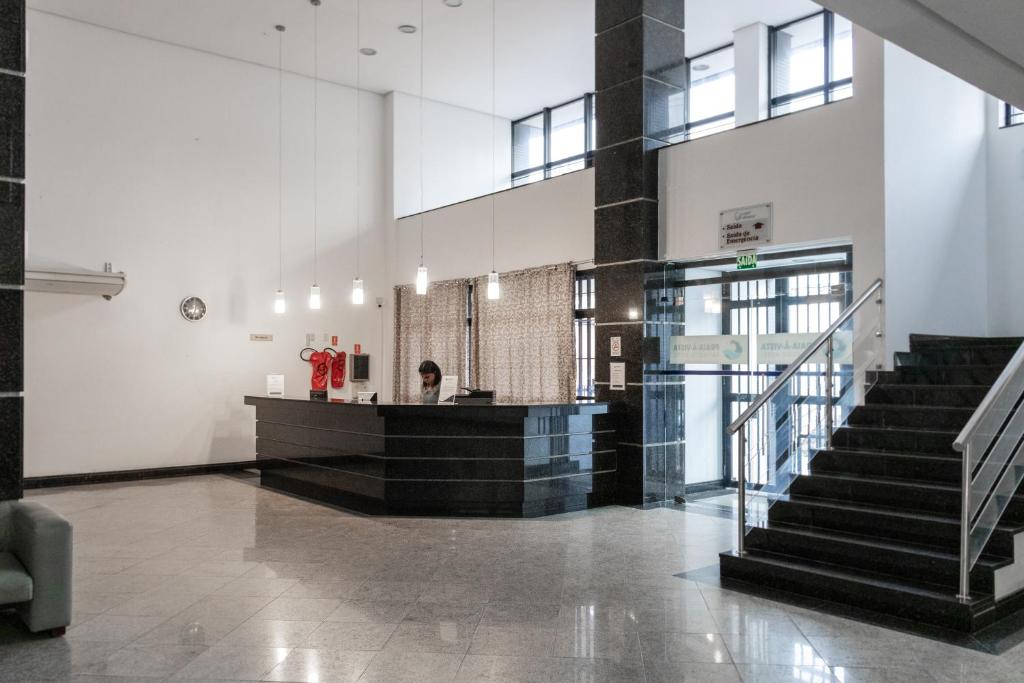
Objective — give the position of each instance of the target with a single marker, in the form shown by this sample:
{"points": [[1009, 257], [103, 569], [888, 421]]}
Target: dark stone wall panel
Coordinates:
{"points": [[619, 54], [12, 126], [12, 234], [620, 110], [11, 340], [12, 35], [610, 13], [623, 232], [11, 418], [664, 53], [626, 172]]}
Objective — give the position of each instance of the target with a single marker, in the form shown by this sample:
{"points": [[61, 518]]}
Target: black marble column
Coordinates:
{"points": [[12, 244], [640, 71]]}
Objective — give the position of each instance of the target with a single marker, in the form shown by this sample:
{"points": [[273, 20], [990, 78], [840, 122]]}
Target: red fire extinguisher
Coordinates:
{"points": [[321, 363], [338, 370]]}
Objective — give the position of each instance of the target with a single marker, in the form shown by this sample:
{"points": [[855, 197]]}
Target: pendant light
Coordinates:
{"points": [[314, 291], [358, 295], [422, 280], [493, 286], [280, 304]]}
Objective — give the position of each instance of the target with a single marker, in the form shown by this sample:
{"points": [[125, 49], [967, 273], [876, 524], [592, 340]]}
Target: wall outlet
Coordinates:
{"points": [[310, 338]]}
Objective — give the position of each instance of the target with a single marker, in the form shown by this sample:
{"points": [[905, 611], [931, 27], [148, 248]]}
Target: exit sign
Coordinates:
{"points": [[746, 260]]}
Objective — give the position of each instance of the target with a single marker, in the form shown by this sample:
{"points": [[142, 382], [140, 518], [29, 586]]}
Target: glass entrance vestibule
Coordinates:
{"points": [[716, 336]]}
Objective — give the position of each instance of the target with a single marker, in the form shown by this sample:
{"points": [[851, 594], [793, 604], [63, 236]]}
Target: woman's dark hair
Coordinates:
{"points": [[430, 366]]}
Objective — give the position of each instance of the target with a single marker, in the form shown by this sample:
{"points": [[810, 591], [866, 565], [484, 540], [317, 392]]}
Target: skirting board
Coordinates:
{"points": [[135, 475]]}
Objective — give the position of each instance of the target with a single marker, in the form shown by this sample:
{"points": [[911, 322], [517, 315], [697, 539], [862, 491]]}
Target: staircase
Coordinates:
{"points": [[876, 522]]}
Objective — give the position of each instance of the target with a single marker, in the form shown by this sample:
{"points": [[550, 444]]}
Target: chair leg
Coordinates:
{"points": [[58, 632]]}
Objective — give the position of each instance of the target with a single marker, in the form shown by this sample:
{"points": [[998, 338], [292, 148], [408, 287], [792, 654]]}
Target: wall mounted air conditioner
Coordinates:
{"points": [[107, 284]]}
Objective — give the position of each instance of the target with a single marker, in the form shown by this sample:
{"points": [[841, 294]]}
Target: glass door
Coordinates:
{"points": [[718, 336]]}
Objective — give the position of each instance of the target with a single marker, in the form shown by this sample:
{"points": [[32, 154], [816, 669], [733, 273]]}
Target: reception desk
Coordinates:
{"points": [[402, 459]]}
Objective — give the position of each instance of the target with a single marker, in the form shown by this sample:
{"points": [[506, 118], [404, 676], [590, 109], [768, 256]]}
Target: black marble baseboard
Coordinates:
{"points": [[136, 475]]}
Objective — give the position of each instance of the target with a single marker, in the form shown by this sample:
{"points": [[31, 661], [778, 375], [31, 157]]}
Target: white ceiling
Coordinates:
{"points": [[545, 48], [979, 41]]}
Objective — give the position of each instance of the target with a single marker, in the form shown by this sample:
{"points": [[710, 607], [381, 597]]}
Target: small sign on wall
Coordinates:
{"points": [[745, 227], [617, 377], [616, 350], [275, 386]]}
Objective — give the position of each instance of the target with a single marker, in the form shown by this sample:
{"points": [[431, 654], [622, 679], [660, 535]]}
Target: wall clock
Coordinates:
{"points": [[193, 309]]}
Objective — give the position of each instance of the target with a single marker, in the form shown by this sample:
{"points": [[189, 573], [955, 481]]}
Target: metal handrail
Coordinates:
{"points": [[825, 339], [1015, 366], [795, 366], [963, 445]]}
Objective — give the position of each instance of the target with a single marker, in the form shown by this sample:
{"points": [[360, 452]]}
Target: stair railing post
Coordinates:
{"points": [[829, 353], [965, 532], [741, 486]]}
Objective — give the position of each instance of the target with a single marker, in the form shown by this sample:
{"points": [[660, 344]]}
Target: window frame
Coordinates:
{"points": [[550, 164], [1007, 115], [689, 125], [828, 86], [584, 317]]}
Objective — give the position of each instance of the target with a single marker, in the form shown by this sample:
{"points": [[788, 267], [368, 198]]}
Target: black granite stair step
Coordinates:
{"points": [[840, 584], [896, 440], [979, 375], [902, 561], [922, 528], [916, 417], [949, 395], [920, 342], [889, 493], [898, 494], [963, 355], [933, 468]]}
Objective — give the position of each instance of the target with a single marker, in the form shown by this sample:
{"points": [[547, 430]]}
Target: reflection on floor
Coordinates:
{"points": [[212, 578]]}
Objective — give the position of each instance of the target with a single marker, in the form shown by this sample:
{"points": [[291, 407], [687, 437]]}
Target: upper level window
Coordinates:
{"points": [[811, 62], [554, 141], [1010, 115], [711, 97]]}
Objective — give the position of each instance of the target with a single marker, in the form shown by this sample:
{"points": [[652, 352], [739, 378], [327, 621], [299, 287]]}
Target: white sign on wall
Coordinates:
{"points": [[275, 386], [745, 227], [617, 376], [712, 349], [616, 350]]}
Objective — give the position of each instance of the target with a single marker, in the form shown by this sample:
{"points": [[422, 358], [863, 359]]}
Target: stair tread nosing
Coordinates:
{"points": [[924, 516], [924, 591], [857, 452], [885, 544]]}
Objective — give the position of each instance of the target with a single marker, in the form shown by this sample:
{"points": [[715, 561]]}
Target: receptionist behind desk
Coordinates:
{"points": [[430, 375]]}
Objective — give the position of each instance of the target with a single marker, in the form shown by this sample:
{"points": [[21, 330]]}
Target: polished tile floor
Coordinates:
{"points": [[211, 578]]}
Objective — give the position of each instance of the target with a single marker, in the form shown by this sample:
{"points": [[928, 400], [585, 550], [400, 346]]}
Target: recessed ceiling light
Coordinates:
{"points": [[452, 3], [407, 28], [368, 51], [700, 67]]}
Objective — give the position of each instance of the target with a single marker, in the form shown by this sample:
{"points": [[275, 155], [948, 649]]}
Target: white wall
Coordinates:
{"points": [[822, 168], [535, 225], [163, 161], [935, 190], [1006, 236], [465, 153]]}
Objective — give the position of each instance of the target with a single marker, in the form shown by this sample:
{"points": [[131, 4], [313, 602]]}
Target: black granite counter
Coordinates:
{"points": [[385, 458]]}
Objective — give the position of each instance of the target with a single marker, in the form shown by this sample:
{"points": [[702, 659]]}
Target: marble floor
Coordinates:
{"points": [[211, 578]]}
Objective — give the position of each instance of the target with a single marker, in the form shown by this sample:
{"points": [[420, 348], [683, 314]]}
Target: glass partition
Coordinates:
{"points": [[717, 337]]}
